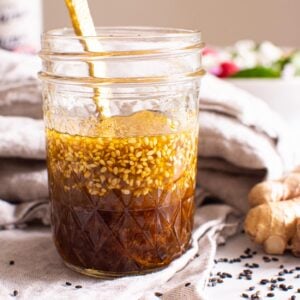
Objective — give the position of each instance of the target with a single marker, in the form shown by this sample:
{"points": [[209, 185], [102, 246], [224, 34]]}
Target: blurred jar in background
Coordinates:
{"points": [[20, 25]]}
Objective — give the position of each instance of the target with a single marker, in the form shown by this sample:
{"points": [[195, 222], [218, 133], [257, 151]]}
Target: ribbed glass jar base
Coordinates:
{"points": [[109, 275]]}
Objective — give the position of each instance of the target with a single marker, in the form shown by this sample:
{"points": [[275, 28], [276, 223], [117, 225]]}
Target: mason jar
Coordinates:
{"points": [[122, 131]]}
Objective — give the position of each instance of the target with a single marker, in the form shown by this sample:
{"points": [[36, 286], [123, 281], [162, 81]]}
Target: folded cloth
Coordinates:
{"points": [[22, 137], [38, 272], [20, 93], [29, 176], [241, 142]]}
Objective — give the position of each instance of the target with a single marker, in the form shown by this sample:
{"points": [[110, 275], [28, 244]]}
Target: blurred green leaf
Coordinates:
{"points": [[280, 64], [258, 72], [295, 61]]}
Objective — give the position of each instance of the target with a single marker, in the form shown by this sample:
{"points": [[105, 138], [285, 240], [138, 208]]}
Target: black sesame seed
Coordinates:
{"points": [[273, 280], [157, 294], [264, 281], [280, 274], [281, 266], [68, 283], [11, 262], [245, 295], [15, 293], [78, 286], [197, 255], [275, 259], [187, 284], [297, 268], [290, 287], [255, 296], [293, 297], [270, 295], [254, 253], [297, 276], [251, 288], [280, 279], [285, 271], [298, 290], [220, 280]]}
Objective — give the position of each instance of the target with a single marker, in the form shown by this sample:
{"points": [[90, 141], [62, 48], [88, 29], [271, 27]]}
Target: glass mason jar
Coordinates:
{"points": [[121, 146]]}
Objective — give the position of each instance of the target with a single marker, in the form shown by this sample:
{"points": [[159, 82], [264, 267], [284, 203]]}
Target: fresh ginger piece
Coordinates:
{"points": [[273, 224], [274, 191], [296, 240]]}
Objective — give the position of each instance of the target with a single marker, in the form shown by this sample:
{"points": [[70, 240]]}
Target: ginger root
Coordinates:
{"points": [[273, 224], [276, 190], [274, 219], [296, 240]]}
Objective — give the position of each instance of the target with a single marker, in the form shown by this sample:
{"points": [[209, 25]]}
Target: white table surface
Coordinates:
{"points": [[232, 288]]}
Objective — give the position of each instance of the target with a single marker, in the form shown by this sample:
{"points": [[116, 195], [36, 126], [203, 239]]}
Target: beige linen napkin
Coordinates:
{"points": [[241, 142], [20, 92]]}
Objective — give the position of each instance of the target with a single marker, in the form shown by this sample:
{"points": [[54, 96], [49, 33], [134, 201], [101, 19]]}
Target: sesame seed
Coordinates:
{"points": [[157, 294]]}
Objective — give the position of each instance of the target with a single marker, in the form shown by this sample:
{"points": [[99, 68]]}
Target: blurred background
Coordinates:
{"points": [[222, 22]]}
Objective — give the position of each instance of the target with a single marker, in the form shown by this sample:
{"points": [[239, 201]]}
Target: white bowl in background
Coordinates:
{"points": [[283, 96]]}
